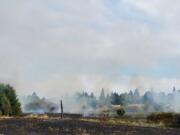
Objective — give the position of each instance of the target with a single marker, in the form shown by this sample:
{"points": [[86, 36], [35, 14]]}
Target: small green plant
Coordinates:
{"points": [[120, 112]]}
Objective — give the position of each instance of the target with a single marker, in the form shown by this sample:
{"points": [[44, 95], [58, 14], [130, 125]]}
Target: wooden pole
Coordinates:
{"points": [[61, 109]]}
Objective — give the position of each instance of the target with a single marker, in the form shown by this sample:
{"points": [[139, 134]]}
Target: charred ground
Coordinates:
{"points": [[77, 125]]}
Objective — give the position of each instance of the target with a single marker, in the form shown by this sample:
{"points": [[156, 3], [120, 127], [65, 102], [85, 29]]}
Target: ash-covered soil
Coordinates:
{"points": [[24, 126]]}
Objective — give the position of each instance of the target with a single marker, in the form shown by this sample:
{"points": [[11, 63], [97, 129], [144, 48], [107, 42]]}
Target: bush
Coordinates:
{"points": [[9, 103], [120, 112]]}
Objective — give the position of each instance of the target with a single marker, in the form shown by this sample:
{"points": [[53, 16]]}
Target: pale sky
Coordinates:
{"points": [[55, 47]]}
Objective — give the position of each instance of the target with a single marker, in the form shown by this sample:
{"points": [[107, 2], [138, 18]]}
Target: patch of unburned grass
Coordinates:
{"points": [[125, 121], [141, 122], [90, 120], [5, 117], [34, 116]]}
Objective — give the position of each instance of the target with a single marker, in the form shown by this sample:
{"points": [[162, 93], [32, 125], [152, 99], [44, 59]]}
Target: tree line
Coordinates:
{"points": [[159, 101]]}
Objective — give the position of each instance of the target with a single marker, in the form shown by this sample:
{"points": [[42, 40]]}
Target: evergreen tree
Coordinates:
{"points": [[137, 97], [5, 107], [115, 100], [9, 103], [102, 95]]}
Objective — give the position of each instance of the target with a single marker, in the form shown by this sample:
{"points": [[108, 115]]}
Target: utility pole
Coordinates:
{"points": [[61, 109]]}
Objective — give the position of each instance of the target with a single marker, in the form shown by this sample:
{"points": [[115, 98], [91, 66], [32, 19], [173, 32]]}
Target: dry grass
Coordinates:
{"points": [[35, 116], [134, 122], [126, 121], [5, 117]]}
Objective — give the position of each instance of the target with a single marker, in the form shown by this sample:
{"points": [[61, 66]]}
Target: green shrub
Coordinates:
{"points": [[120, 112]]}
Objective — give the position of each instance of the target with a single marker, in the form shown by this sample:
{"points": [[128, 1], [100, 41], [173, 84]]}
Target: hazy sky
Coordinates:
{"points": [[59, 46]]}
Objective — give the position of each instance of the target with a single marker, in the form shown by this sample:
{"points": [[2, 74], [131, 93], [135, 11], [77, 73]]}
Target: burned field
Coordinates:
{"points": [[93, 117], [75, 126]]}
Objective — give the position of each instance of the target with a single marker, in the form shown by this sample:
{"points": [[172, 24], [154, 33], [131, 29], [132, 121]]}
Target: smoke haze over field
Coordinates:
{"points": [[91, 104], [57, 47]]}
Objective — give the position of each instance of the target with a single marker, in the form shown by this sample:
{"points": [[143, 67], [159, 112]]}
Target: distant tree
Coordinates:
{"points": [[124, 99], [137, 97], [130, 97], [102, 98], [115, 100], [102, 95], [121, 99], [86, 94], [148, 98], [92, 95], [108, 99], [174, 89], [34, 97], [92, 100]]}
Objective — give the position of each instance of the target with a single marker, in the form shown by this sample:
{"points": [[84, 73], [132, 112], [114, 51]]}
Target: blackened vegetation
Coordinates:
{"points": [[75, 127], [168, 119]]}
